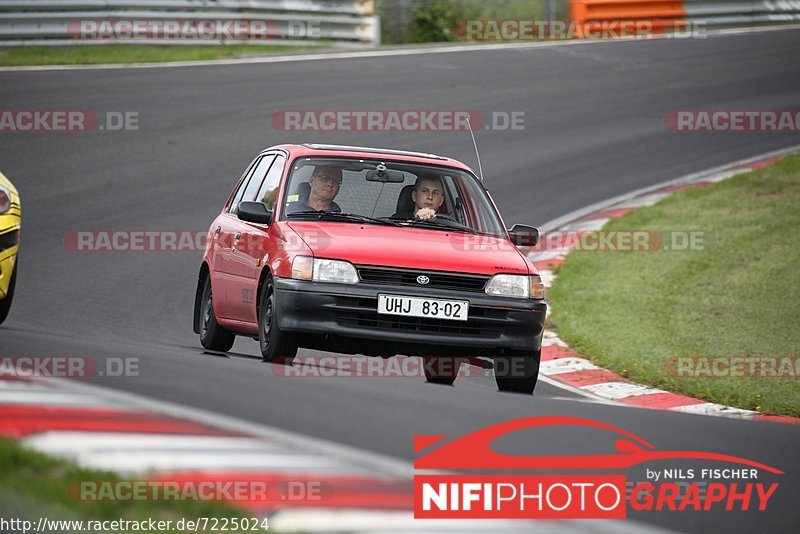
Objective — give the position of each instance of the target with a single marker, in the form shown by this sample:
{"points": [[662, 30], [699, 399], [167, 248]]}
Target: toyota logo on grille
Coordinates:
{"points": [[422, 279]]}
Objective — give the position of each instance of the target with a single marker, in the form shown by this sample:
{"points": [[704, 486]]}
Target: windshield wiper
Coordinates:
{"points": [[431, 223], [348, 216]]}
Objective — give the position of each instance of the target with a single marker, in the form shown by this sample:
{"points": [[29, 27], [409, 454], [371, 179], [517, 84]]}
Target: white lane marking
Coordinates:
{"points": [[723, 175], [709, 408], [355, 459], [579, 391], [232, 460], [591, 225], [641, 201], [146, 452], [317, 56], [86, 442], [21, 385], [566, 365], [620, 390], [49, 397]]}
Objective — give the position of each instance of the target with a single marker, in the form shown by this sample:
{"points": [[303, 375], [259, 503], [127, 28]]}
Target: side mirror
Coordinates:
{"points": [[524, 236], [254, 212]]}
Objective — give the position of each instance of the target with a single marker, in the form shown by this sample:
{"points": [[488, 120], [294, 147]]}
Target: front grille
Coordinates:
{"points": [[9, 240], [408, 277], [363, 313]]}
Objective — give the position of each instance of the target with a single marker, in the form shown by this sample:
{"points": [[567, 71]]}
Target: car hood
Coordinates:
{"points": [[412, 248]]}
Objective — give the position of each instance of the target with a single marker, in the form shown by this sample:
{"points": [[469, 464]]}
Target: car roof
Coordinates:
{"points": [[313, 149]]}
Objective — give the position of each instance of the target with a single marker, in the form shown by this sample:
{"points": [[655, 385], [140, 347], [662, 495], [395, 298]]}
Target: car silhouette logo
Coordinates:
{"points": [[473, 451], [422, 279]]}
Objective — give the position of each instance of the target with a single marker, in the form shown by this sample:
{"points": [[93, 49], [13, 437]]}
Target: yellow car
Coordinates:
{"points": [[10, 222]]}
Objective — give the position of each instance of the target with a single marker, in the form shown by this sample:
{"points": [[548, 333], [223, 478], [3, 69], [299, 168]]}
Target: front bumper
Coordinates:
{"points": [[349, 313]]}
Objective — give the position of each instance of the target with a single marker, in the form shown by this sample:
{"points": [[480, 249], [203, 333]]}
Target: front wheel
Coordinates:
{"points": [[212, 335], [275, 344], [517, 372], [5, 304]]}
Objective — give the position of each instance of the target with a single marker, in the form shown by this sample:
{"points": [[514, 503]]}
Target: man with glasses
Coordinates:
{"points": [[324, 183]]}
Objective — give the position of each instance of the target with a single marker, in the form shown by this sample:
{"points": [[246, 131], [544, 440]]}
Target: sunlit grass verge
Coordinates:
{"points": [[739, 296], [34, 485], [100, 54]]}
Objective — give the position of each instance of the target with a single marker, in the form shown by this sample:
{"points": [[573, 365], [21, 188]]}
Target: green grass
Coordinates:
{"points": [[740, 296], [97, 54], [34, 485]]}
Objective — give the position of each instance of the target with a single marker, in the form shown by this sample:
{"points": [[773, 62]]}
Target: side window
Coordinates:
{"points": [[268, 192], [237, 196], [251, 183]]}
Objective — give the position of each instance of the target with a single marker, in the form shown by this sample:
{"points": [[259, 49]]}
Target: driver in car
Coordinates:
{"points": [[428, 196], [325, 183]]}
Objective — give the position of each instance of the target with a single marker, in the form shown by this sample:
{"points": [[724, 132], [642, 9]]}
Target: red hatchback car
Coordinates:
{"points": [[376, 252]]}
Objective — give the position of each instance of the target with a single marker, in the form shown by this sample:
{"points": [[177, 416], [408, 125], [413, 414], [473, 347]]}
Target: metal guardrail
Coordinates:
{"points": [[667, 14], [727, 13], [290, 22]]}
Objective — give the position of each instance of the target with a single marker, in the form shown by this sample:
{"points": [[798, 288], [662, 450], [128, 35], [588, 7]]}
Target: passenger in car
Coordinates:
{"points": [[324, 185]]}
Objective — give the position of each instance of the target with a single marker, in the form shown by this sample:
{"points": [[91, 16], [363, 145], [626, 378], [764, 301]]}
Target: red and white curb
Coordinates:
{"points": [[564, 366], [149, 440], [146, 439]]}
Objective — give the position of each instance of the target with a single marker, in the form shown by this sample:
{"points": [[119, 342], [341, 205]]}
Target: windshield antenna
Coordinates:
{"points": [[471, 133]]}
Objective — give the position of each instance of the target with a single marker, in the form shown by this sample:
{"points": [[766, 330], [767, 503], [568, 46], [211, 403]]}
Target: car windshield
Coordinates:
{"points": [[389, 192]]}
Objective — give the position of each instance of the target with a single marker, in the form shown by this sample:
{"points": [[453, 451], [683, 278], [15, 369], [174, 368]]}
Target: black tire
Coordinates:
{"points": [[5, 304], [517, 372], [212, 335], [441, 369], [275, 345]]}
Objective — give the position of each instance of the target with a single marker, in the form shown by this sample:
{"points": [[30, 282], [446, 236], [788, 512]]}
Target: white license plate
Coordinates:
{"points": [[455, 310]]}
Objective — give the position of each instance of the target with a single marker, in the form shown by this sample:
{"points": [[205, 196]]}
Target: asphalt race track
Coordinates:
{"points": [[594, 129]]}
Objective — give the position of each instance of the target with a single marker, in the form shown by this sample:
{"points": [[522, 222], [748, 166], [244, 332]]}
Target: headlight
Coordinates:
{"points": [[341, 272], [515, 285], [321, 270], [5, 200]]}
